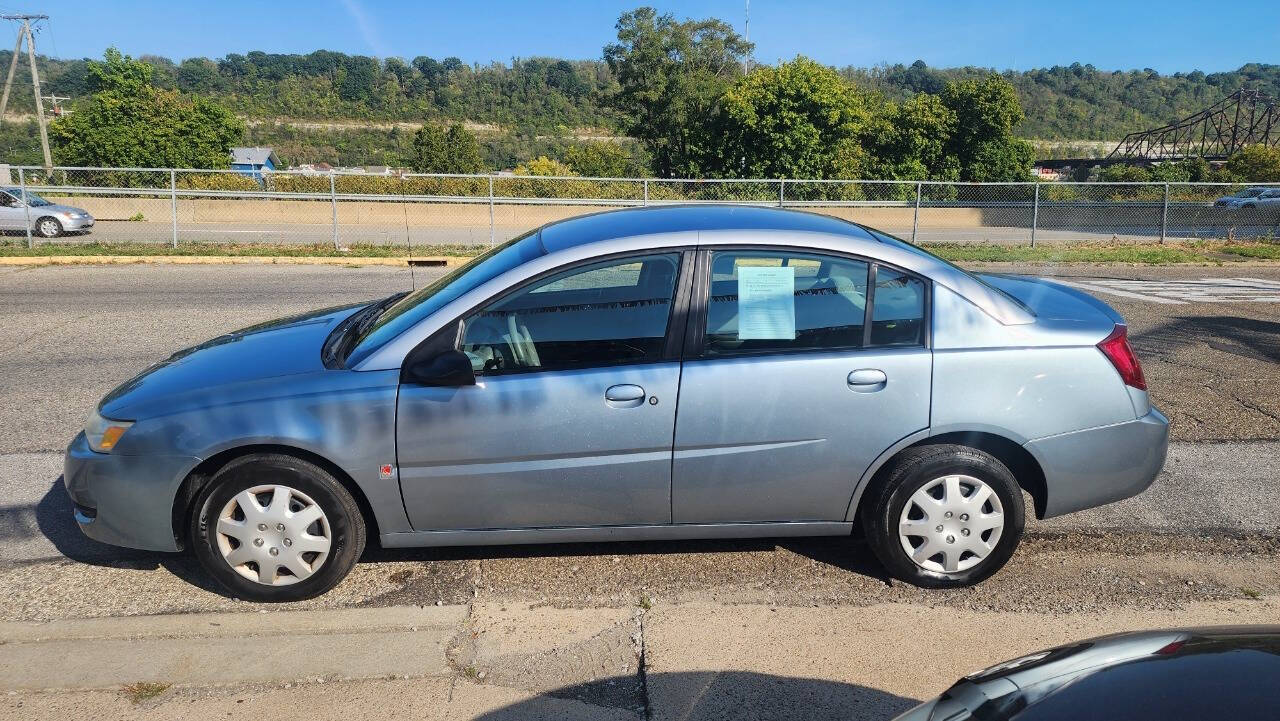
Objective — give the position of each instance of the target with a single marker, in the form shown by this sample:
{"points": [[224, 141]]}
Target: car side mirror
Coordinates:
{"points": [[451, 368]]}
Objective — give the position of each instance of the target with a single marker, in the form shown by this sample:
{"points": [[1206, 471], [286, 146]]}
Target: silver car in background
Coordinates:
{"points": [[659, 373], [1250, 198], [45, 219]]}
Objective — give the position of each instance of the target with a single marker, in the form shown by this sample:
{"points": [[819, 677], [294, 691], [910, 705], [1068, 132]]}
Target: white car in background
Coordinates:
{"points": [[45, 219]]}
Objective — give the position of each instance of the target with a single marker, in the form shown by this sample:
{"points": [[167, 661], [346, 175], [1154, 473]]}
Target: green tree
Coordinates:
{"points": [[987, 111], [908, 141], [602, 160], [128, 122], [1254, 164], [671, 75], [437, 150], [798, 120], [542, 166], [1124, 174]]}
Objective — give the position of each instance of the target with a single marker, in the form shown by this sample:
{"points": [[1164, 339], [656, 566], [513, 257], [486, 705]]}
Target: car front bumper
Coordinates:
{"points": [[1097, 466], [72, 225], [124, 500]]}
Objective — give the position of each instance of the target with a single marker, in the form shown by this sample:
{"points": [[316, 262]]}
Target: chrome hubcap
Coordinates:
{"points": [[951, 524], [274, 535], [48, 227]]}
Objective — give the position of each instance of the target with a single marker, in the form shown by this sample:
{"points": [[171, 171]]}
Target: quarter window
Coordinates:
{"points": [[767, 300], [897, 309], [603, 314]]}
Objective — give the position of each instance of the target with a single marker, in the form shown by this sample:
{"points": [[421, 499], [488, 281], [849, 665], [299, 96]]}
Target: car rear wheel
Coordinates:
{"points": [[48, 227], [944, 516], [272, 528]]}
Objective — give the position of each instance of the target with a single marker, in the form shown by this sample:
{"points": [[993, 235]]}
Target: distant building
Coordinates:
{"points": [[253, 162], [313, 168]]}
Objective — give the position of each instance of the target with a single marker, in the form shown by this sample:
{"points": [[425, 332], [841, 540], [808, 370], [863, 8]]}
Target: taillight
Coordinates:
{"points": [[1117, 350]]}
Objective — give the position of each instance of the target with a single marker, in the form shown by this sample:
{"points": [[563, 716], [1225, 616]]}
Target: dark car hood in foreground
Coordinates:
{"points": [[1194, 673], [282, 347]]}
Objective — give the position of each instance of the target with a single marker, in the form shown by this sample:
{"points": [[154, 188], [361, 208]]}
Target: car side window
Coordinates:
{"points": [[606, 313], [8, 201], [774, 300], [897, 309]]}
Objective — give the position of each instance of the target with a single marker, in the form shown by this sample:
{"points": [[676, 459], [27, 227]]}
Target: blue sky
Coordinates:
{"points": [[1110, 35]]}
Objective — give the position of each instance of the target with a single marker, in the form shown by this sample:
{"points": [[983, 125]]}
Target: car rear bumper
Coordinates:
{"points": [[124, 500], [1097, 466]]}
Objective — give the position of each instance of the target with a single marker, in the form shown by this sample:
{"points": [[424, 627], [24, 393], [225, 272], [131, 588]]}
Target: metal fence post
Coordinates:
{"points": [[915, 220], [646, 191], [1164, 215], [782, 191], [333, 203], [26, 207], [1035, 214], [173, 203], [491, 231]]}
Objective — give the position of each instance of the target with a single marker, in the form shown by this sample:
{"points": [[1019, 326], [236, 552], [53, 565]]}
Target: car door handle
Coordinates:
{"points": [[624, 395], [867, 379]]}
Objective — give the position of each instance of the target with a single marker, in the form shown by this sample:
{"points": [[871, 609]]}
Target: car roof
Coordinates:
{"points": [[660, 219]]}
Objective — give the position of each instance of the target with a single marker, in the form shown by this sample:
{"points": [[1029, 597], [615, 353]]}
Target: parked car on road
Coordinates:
{"points": [[1250, 198], [660, 373], [1204, 673], [48, 220]]}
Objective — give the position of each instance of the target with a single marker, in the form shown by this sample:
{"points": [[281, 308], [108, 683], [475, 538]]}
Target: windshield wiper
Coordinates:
{"points": [[344, 337]]}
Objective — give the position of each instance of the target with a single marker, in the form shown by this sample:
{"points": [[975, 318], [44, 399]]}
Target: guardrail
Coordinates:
{"points": [[343, 208]]}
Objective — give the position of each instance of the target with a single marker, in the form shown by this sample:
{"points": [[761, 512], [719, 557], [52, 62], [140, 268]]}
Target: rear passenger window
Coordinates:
{"points": [[897, 309], [765, 300]]}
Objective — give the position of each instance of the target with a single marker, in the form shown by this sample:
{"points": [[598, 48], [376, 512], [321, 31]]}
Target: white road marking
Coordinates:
{"points": [[1114, 291], [1205, 290]]}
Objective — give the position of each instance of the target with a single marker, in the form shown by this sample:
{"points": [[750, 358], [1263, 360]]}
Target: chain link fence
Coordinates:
{"points": [[345, 209]]}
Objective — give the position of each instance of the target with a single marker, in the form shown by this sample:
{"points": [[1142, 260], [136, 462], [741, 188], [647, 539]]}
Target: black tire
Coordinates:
{"points": [[915, 468], [48, 227], [346, 524]]}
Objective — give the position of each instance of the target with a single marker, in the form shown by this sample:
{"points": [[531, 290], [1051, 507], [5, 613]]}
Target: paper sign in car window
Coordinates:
{"points": [[766, 303]]}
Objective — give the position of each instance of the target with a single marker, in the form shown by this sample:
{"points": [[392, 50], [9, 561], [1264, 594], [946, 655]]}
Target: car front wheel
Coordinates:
{"points": [[273, 528], [48, 227], [944, 516]]}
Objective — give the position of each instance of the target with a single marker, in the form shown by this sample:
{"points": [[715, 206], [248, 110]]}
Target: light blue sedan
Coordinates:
{"points": [[660, 373]]}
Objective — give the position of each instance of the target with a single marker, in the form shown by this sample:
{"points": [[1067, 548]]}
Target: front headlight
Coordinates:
{"points": [[103, 433]]}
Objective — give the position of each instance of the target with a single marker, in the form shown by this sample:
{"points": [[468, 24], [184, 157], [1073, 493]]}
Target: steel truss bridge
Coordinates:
{"points": [[1246, 117]]}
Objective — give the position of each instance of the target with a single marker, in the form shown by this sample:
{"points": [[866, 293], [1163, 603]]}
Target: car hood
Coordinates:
{"points": [[56, 208], [283, 347]]}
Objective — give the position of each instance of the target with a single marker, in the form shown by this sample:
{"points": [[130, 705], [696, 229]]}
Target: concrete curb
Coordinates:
{"points": [[37, 260], [228, 648]]}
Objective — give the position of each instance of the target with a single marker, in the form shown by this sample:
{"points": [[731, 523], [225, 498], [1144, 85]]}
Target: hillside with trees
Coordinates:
{"points": [[670, 92]]}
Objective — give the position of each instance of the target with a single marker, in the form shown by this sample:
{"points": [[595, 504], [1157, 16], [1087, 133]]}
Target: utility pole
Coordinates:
{"points": [[24, 33], [746, 35]]}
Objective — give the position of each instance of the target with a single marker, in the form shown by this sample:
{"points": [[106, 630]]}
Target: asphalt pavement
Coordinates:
{"points": [[348, 233]]}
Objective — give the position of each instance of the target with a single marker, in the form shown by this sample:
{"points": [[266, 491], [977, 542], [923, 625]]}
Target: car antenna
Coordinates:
{"points": [[404, 201]]}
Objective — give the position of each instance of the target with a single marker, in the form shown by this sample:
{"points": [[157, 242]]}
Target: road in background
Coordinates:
{"points": [[394, 234]]}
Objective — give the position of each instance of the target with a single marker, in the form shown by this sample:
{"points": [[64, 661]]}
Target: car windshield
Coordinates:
{"points": [[1250, 193], [421, 303], [36, 201]]}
